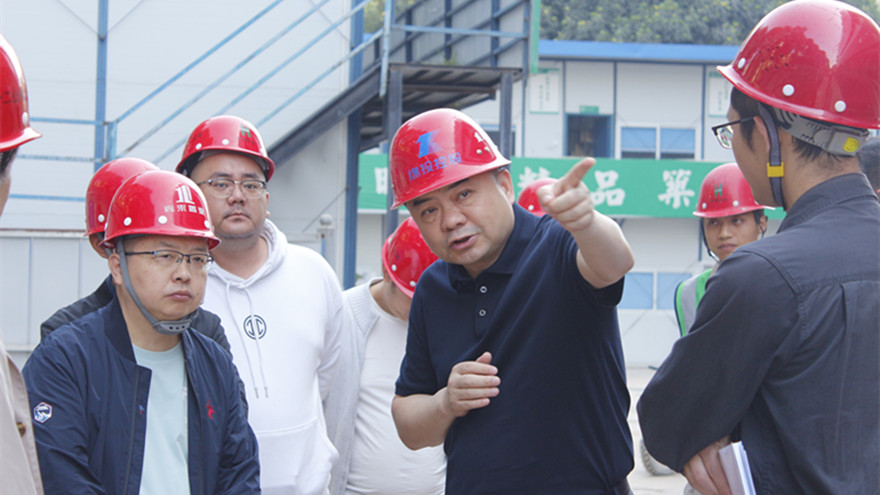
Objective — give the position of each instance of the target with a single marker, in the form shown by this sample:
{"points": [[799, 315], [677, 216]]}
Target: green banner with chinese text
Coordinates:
{"points": [[620, 188]]}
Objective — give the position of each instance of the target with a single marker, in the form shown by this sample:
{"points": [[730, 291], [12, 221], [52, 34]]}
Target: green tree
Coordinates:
{"points": [[709, 22], [374, 13]]}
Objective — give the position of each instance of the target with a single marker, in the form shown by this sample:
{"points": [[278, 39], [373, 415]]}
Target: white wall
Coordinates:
{"points": [[148, 43], [309, 185], [591, 84], [41, 273]]}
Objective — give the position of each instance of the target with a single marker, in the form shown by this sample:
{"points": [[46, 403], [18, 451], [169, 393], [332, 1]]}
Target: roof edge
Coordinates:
{"points": [[636, 52]]}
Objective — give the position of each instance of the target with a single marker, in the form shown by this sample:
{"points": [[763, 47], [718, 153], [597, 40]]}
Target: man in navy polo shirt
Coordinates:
{"points": [[513, 296]]}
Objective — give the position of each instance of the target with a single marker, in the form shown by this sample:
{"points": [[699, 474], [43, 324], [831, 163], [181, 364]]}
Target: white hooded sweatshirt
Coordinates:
{"points": [[283, 325]]}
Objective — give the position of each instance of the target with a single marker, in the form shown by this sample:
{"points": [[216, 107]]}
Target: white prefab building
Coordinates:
{"points": [[133, 78]]}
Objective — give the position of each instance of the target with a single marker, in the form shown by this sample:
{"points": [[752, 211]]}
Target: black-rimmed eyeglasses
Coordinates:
{"points": [[724, 132]]}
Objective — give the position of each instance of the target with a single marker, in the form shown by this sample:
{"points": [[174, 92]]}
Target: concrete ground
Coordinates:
{"points": [[640, 480]]}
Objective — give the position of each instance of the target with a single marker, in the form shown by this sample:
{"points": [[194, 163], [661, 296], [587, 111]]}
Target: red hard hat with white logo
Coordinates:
{"points": [[816, 58], [528, 197], [159, 202], [103, 186], [725, 192], [15, 123], [405, 256], [225, 133], [437, 148]]}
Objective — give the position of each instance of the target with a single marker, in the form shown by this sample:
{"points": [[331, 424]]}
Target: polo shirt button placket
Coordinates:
{"points": [[481, 323]]}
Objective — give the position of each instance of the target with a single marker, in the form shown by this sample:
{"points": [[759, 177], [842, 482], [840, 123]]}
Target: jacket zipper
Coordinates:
{"points": [[137, 373]]}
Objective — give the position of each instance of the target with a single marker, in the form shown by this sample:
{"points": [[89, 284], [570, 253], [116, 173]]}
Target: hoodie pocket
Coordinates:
{"points": [[296, 460]]}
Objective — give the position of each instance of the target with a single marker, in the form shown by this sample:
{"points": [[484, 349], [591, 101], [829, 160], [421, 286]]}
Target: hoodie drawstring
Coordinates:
{"points": [[257, 341], [240, 331]]}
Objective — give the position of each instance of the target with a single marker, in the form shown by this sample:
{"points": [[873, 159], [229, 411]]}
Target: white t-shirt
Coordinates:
{"points": [[165, 469], [380, 462]]}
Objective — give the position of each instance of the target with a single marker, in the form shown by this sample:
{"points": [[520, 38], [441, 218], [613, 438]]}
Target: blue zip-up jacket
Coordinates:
{"points": [[204, 321], [89, 398]]}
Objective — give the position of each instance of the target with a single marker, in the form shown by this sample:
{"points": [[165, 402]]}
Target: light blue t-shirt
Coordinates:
{"points": [[165, 452]]}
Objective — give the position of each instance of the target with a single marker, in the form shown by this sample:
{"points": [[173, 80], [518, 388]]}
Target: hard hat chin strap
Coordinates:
{"points": [[775, 167], [164, 327], [706, 242]]}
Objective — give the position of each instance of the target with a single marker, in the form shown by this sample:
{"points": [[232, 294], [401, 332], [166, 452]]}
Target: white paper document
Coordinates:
{"points": [[736, 467]]}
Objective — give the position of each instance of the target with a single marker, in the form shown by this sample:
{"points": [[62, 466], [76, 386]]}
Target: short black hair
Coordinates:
{"points": [[6, 158], [869, 160], [746, 107]]}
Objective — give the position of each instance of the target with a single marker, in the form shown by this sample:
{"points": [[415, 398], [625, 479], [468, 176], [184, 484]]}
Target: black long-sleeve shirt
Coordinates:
{"points": [[784, 353]]}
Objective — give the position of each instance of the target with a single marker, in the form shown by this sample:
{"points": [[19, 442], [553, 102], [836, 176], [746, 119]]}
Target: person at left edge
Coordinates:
{"points": [[129, 399], [19, 470]]}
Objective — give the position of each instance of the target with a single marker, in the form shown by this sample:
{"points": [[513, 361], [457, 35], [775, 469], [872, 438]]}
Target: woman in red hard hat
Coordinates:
{"points": [[729, 218]]}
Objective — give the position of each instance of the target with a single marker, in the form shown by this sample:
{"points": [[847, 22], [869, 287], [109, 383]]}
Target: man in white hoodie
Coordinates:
{"points": [[281, 305]]}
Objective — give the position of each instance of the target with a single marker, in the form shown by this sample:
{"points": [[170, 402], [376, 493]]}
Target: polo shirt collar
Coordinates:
{"points": [[524, 227]]}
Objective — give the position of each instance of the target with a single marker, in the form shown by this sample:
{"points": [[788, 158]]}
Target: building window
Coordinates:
{"points": [[639, 289], [666, 284], [638, 142], [642, 142], [677, 144], [588, 135]]}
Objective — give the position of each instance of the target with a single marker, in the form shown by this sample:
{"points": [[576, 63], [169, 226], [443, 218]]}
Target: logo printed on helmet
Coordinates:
{"points": [[427, 144], [184, 195], [719, 190], [185, 203], [429, 165]]}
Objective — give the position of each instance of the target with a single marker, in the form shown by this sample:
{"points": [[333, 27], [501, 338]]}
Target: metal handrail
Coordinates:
{"points": [[278, 68], [391, 24]]}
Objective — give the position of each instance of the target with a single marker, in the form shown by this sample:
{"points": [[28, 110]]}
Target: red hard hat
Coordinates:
{"points": [[225, 133], [437, 148], [15, 121], [816, 58], [528, 197], [725, 192], [159, 202], [103, 186], [405, 256]]}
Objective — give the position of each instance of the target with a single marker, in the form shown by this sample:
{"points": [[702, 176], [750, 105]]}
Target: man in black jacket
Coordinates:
{"points": [[783, 354]]}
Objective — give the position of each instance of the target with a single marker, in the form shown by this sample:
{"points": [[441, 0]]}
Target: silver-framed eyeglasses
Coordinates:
{"points": [[222, 188], [169, 258], [724, 132]]}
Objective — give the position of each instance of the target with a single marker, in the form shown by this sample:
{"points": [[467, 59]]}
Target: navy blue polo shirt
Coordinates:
{"points": [[559, 423]]}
